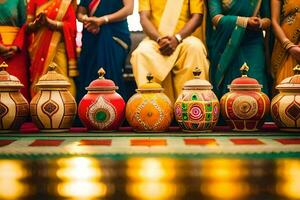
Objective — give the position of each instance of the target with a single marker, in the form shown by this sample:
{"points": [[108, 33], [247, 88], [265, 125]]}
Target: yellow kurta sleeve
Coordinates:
{"points": [[144, 5], [196, 6]]}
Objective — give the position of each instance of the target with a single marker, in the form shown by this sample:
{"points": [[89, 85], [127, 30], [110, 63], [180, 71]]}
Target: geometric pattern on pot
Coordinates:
{"points": [[101, 113], [3, 109], [149, 114], [245, 107], [196, 112], [50, 107], [293, 111]]}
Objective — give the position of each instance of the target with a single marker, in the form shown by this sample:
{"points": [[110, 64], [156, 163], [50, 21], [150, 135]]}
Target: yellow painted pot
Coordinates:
{"points": [[149, 110]]}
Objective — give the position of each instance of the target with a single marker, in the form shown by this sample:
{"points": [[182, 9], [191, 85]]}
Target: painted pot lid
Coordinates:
{"points": [[291, 83], [150, 86], [52, 79], [244, 82], [102, 84], [8, 81], [197, 83]]}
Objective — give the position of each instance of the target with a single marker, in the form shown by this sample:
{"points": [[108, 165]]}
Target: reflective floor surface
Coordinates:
{"points": [[150, 178]]}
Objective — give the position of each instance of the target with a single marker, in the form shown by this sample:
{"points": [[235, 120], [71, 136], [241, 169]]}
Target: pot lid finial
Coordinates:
{"points": [[101, 73], [296, 69], [149, 77], [197, 72], [3, 66], [244, 70], [52, 66]]}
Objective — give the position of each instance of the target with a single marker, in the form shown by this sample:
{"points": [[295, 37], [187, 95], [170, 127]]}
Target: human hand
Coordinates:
{"points": [[254, 23], [167, 45], [41, 19], [295, 52], [92, 24], [9, 52], [3, 49]]}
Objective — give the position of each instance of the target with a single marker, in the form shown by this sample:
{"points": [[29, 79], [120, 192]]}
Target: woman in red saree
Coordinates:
{"points": [[53, 27]]}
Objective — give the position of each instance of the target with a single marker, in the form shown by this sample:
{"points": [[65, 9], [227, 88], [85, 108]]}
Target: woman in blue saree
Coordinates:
{"points": [[235, 37], [105, 41]]}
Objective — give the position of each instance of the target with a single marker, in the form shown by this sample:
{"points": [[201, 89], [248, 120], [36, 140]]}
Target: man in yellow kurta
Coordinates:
{"points": [[170, 52]]}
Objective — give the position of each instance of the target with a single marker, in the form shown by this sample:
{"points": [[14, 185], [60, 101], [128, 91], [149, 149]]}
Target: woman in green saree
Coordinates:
{"points": [[235, 36]]}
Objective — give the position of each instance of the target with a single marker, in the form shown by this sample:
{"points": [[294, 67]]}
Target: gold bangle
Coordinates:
{"points": [[287, 44], [106, 19], [58, 24], [84, 18], [216, 19], [242, 21]]}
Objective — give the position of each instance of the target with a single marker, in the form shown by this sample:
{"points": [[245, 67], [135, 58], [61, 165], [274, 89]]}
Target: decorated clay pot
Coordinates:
{"points": [[53, 108], [197, 107], [245, 106], [285, 107], [149, 110], [14, 108], [102, 108]]}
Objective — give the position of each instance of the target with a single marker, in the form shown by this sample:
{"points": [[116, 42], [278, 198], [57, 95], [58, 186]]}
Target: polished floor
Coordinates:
{"points": [[150, 177]]}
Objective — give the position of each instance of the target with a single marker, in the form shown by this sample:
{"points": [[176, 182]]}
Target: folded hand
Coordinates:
{"points": [[254, 23], [167, 45]]}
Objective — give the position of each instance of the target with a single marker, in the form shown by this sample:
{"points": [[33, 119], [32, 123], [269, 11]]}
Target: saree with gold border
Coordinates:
{"points": [[230, 44]]}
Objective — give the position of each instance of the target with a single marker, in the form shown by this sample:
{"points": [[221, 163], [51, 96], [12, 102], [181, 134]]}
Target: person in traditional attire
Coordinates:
{"points": [[170, 52], [286, 25], [53, 27], [235, 36], [12, 41], [105, 42]]}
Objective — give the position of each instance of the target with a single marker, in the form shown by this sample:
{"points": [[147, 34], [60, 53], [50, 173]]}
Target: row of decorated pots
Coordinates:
{"points": [[197, 108]]}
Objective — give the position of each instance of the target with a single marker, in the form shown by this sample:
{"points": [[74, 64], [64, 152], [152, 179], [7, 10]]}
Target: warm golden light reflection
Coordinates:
{"points": [[151, 169], [153, 190], [225, 189], [288, 172], [75, 148], [152, 178], [224, 179], [78, 168], [222, 169], [11, 173], [77, 162], [82, 189], [12, 169], [81, 178]]}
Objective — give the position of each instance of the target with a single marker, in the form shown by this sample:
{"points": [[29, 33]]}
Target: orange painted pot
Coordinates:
{"points": [[149, 110], [285, 107], [245, 106]]}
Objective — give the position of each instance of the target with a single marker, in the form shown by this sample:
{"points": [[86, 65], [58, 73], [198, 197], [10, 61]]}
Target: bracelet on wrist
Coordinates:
{"points": [[260, 24], [242, 21], [106, 19], [287, 44], [84, 18], [158, 39], [58, 24], [178, 37]]}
